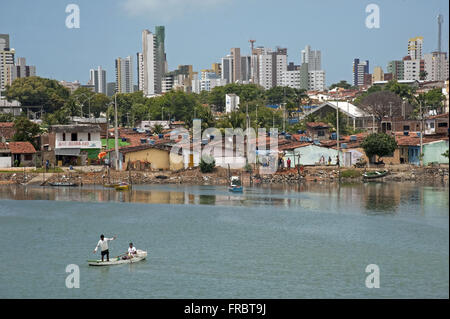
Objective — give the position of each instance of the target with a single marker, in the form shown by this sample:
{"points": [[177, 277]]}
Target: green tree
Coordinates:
{"points": [[25, 130], [39, 92], [58, 117], [208, 165], [379, 144], [157, 129], [341, 84], [6, 117]]}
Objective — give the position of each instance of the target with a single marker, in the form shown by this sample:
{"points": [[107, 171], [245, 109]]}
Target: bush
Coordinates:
{"points": [[350, 173], [207, 164]]}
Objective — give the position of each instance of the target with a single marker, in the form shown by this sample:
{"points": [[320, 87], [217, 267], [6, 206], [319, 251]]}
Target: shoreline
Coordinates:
{"points": [[96, 175]]}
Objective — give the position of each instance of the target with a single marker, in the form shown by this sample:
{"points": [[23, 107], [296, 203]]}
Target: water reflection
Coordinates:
{"points": [[369, 198]]}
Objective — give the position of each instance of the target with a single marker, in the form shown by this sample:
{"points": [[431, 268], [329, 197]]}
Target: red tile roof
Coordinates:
{"points": [[6, 124], [21, 147], [317, 125], [440, 116]]}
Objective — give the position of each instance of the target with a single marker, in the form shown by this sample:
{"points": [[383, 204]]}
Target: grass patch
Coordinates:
{"points": [[111, 143], [350, 173], [50, 170]]}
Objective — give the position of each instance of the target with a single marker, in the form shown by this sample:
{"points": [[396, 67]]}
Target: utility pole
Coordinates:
{"points": [[337, 124], [116, 132], [421, 134], [246, 117]]}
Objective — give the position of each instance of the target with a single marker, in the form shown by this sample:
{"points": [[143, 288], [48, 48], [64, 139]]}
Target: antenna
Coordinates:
{"points": [[440, 20], [252, 44]]}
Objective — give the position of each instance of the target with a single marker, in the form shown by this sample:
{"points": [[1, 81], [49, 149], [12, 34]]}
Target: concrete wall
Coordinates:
{"points": [[5, 162], [433, 152], [311, 154], [159, 159]]}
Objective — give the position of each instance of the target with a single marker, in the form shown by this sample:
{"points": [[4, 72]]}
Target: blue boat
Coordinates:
{"points": [[235, 185]]}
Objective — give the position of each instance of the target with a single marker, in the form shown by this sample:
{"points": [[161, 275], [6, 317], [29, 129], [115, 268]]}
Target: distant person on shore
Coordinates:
{"points": [[47, 164], [103, 244], [329, 160], [337, 160], [288, 163], [322, 160]]}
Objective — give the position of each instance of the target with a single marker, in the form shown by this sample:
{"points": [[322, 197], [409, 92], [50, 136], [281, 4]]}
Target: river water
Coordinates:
{"points": [[302, 241]]}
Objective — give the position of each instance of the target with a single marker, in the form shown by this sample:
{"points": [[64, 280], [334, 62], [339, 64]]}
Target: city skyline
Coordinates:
{"points": [[64, 60]]}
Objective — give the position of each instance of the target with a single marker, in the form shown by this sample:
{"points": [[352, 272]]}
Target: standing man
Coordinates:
{"points": [[289, 163], [103, 244]]}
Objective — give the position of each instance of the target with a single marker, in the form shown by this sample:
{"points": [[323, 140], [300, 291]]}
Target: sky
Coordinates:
{"points": [[201, 32]]}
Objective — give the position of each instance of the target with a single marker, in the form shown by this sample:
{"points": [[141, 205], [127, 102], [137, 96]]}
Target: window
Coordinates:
{"points": [[405, 127], [64, 136], [28, 157], [320, 133], [443, 124], [89, 136], [74, 137]]}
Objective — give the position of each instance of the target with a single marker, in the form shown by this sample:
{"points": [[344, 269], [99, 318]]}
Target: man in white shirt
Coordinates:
{"points": [[131, 251], [103, 244]]}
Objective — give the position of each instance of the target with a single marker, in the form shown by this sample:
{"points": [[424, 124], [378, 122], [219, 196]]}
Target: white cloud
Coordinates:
{"points": [[167, 9]]}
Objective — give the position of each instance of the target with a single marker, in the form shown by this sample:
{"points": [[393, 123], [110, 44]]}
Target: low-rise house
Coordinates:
{"points": [[432, 148], [147, 157], [76, 144], [318, 130], [17, 154], [354, 116], [437, 124], [5, 156]]}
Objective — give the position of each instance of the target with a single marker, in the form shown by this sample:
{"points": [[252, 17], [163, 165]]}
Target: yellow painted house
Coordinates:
{"points": [[151, 157]]}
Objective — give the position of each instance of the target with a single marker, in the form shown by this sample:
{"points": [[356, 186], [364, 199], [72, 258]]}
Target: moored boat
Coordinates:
{"points": [[374, 175], [64, 184], [235, 185], [122, 187], [111, 185], [140, 255]]}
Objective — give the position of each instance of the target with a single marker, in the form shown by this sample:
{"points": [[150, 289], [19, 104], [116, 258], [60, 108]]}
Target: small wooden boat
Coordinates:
{"points": [[112, 185], [63, 184], [235, 185], [118, 260], [375, 174], [122, 187]]}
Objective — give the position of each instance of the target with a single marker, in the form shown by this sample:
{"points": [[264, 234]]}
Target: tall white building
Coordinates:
{"points": [[415, 48], [6, 59], [231, 102], [291, 78], [227, 68], [271, 66], [124, 75], [360, 69], [140, 71], [19, 70], [411, 69], [316, 80], [98, 80], [154, 63], [436, 66], [313, 58], [148, 59]]}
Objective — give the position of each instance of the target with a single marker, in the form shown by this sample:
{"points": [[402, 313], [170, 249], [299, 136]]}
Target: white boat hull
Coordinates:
{"points": [[140, 255]]}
